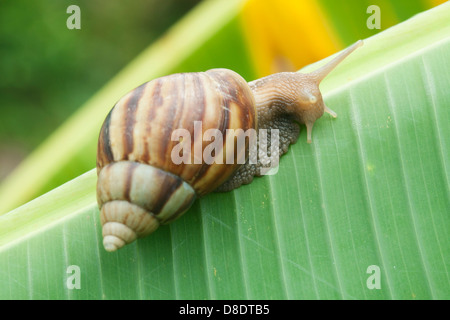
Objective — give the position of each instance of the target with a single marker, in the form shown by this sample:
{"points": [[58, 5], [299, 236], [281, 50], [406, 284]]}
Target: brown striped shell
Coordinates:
{"points": [[139, 186]]}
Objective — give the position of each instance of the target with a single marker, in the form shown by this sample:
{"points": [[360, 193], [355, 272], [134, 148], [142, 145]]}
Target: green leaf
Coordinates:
{"points": [[371, 190]]}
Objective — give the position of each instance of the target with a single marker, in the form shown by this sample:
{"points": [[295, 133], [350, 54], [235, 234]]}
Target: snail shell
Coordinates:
{"points": [[139, 187]]}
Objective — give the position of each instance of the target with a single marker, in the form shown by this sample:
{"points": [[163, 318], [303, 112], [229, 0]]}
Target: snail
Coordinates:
{"points": [[141, 187]]}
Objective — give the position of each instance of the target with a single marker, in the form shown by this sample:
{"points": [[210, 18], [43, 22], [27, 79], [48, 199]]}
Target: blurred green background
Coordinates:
{"points": [[46, 70]]}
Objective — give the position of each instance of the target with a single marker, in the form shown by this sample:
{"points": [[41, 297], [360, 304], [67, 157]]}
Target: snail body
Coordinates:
{"points": [[140, 186]]}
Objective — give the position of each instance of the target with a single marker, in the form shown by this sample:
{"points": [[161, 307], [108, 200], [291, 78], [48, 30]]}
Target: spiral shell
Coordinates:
{"points": [[139, 186]]}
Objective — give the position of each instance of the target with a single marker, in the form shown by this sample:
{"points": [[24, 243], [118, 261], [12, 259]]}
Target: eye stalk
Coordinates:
{"points": [[323, 71], [314, 78]]}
